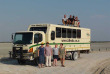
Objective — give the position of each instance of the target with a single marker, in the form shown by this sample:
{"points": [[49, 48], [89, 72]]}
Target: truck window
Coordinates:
{"points": [[53, 35], [58, 32], [68, 33], [37, 38], [78, 33], [63, 32], [44, 29], [23, 38], [74, 33]]}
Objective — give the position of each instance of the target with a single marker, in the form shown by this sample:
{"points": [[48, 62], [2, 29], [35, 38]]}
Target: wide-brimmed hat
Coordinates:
{"points": [[42, 43]]}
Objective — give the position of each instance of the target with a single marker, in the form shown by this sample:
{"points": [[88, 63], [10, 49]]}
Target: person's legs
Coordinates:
{"points": [[53, 62], [56, 59], [67, 22], [61, 60], [42, 62], [49, 60]]}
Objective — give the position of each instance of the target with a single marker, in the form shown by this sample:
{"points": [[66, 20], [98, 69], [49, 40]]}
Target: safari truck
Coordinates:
{"points": [[26, 43]]}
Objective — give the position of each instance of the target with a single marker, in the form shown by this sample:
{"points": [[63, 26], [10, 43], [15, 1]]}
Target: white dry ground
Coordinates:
{"points": [[93, 63]]}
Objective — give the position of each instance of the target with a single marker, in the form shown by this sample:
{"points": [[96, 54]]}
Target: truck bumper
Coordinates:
{"points": [[19, 53]]}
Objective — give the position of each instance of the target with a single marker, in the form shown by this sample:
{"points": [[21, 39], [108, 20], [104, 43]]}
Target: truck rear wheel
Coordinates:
{"points": [[21, 62], [75, 55]]}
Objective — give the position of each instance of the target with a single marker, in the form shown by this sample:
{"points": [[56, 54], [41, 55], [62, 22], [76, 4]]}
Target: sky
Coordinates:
{"points": [[17, 15]]}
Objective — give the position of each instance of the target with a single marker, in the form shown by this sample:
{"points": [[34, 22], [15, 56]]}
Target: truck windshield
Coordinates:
{"points": [[23, 38], [44, 29]]}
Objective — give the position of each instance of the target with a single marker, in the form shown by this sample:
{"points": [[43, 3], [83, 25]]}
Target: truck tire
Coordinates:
{"points": [[21, 62], [75, 55], [70, 56], [36, 60]]}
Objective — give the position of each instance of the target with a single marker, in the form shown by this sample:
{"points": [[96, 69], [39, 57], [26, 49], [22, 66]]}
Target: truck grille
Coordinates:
{"points": [[18, 51]]}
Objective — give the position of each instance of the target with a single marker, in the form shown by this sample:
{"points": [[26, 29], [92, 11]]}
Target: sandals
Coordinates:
{"points": [[63, 66]]}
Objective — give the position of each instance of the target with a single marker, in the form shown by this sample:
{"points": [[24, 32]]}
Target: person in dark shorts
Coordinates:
{"points": [[65, 20], [41, 55], [71, 20], [62, 53], [55, 55]]}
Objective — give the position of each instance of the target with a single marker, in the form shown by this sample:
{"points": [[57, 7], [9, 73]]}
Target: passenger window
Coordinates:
{"points": [[58, 32], [63, 33], [78, 33], [37, 38], [53, 35], [74, 33], [68, 33]]}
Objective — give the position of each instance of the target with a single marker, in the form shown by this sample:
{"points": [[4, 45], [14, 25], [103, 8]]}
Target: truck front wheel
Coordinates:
{"points": [[36, 60]]}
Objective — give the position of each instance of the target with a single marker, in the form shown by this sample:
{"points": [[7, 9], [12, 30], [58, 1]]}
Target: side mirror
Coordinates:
{"points": [[12, 36]]}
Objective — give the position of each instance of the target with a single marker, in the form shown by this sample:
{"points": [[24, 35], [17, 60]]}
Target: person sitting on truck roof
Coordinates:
{"points": [[71, 20], [76, 22], [65, 20], [41, 55]]}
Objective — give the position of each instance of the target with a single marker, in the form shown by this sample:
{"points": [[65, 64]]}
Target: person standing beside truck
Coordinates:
{"points": [[62, 53], [48, 54], [55, 54], [41, 55]]}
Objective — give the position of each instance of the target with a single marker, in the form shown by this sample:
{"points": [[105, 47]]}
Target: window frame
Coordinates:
{"points": [[69, 33], [78, 33], [54, 35], [65, 33], [38, 38], [58, 33], [74, 36]]}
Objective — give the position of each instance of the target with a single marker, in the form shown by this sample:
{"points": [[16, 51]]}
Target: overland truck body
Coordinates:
{"points": [[26, 43]]}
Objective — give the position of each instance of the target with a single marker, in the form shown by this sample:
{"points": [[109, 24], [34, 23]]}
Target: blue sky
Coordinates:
{"points": [[16, 15]]}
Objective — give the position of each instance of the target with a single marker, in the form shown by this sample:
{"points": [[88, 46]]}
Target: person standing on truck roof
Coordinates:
{"points": [[62, 53], [48, 54], [65, 20], [55, 54], [41, 55]]}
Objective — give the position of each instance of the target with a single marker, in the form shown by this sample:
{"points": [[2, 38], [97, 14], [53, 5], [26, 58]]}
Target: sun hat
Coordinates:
{"points": [[42, 43]]}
